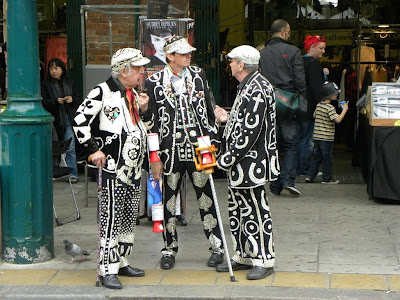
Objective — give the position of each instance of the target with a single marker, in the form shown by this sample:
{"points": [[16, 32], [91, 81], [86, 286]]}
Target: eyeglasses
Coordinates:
{"points": [[136, 68], [319, 38]]}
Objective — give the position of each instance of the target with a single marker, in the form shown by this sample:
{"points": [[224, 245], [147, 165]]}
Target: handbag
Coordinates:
{"points": [[289, 104]]}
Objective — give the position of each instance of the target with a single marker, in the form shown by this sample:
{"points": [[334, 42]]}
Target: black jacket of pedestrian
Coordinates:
{"points": [[314, 81], [53, 89], [282, 64]]}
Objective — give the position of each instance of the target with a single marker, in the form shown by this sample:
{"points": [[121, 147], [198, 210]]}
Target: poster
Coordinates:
{"points": [[155, 34], [186, 29]]}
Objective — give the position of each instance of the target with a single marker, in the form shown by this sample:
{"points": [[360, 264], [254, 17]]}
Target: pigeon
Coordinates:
{"points": [[74, 250]]}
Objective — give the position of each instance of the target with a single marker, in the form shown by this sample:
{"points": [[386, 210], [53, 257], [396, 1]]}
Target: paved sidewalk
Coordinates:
{"points": [[331, 243]]}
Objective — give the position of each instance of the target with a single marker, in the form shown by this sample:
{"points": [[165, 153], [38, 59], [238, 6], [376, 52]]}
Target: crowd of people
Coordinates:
{"points": [[113, 121]]}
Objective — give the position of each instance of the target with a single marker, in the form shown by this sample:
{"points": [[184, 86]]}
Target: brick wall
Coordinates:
{"points": [[98, 41]]}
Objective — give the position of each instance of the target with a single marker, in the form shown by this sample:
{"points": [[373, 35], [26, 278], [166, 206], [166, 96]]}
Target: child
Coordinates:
{"points": [[324, 133]]}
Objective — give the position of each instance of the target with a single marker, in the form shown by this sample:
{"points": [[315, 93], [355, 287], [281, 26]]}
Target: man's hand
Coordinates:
{"points": [[98, 158], [143, 102], [221, 114], [68, 99], [156, 170], [60, 100]]}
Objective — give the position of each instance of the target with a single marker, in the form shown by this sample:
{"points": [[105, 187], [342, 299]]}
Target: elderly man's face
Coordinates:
{"points": [[131, 77], [235, 66]]}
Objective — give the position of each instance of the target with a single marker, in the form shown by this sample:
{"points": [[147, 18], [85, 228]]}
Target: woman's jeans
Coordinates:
{"points": [[70, 155], [322, 152]]}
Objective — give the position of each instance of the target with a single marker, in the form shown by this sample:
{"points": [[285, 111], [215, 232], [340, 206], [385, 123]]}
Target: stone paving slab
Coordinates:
{"points": [[331, 243], [204, 278]]}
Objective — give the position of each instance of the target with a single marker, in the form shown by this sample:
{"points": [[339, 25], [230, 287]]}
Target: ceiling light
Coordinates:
{"points": [[383, 26]]}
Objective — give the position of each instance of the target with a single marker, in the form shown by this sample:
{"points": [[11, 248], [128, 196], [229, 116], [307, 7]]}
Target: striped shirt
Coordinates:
{"points": [[324, 128]]}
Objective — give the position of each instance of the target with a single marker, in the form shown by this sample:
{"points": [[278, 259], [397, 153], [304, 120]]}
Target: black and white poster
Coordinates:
{"points": [[155, 34]]}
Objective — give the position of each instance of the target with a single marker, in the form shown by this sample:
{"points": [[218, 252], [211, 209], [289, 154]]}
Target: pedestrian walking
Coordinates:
{"points": [[281, 63]]}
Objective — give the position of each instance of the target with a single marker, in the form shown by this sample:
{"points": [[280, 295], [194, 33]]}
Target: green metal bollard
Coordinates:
{"points": [[25, 143]]}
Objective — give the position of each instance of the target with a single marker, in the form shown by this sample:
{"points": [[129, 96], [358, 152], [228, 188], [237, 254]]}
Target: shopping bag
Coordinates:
{"points": [[289, 104]]}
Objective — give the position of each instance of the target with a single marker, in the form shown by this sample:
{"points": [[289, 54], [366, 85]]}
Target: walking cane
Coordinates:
{"points": [[99, 179], [205, 160]]}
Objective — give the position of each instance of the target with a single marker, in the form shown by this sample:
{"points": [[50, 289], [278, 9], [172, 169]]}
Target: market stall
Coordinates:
{"points": [[383, 141]]}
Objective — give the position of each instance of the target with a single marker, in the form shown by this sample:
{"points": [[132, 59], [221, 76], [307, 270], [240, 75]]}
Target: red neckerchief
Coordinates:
{"points": [[132, 106]]}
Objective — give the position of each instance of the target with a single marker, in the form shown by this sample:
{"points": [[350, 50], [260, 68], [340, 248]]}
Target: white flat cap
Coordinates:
{"points": [[246, 54], [178, 44], [128, 56]]}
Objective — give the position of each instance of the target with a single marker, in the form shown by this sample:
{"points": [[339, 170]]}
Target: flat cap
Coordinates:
{"points": [[246, 54]]}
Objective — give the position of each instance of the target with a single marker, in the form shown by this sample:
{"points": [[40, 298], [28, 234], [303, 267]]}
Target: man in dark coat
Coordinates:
{"points": [[282, 64]]}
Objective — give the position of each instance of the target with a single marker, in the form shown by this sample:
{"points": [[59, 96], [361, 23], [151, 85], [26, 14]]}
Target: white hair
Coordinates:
{"points": [[250, 67], [117, 73]]}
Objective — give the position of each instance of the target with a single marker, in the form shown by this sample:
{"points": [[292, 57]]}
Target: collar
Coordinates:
{"points": [[178, 75], [276, 40], [244, 81], [112, 84], [120, 86]]}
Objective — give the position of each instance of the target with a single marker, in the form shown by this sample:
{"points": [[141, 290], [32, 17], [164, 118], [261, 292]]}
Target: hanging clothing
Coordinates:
{"points": [[381, 74], [368, 79], [367, 54], [396, 74], [351, 85], [342, 86]]}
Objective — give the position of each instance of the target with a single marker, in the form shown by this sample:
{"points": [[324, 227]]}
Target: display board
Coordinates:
{"points": [[384, 104]]}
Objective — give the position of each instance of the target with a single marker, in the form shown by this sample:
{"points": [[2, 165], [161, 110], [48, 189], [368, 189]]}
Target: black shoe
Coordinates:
{"points": [[259, 273], [292, 190], [130, 272], [215, 259], [235, 267], [111, 282], [276, 193], [181, 218], [167, 262]]}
